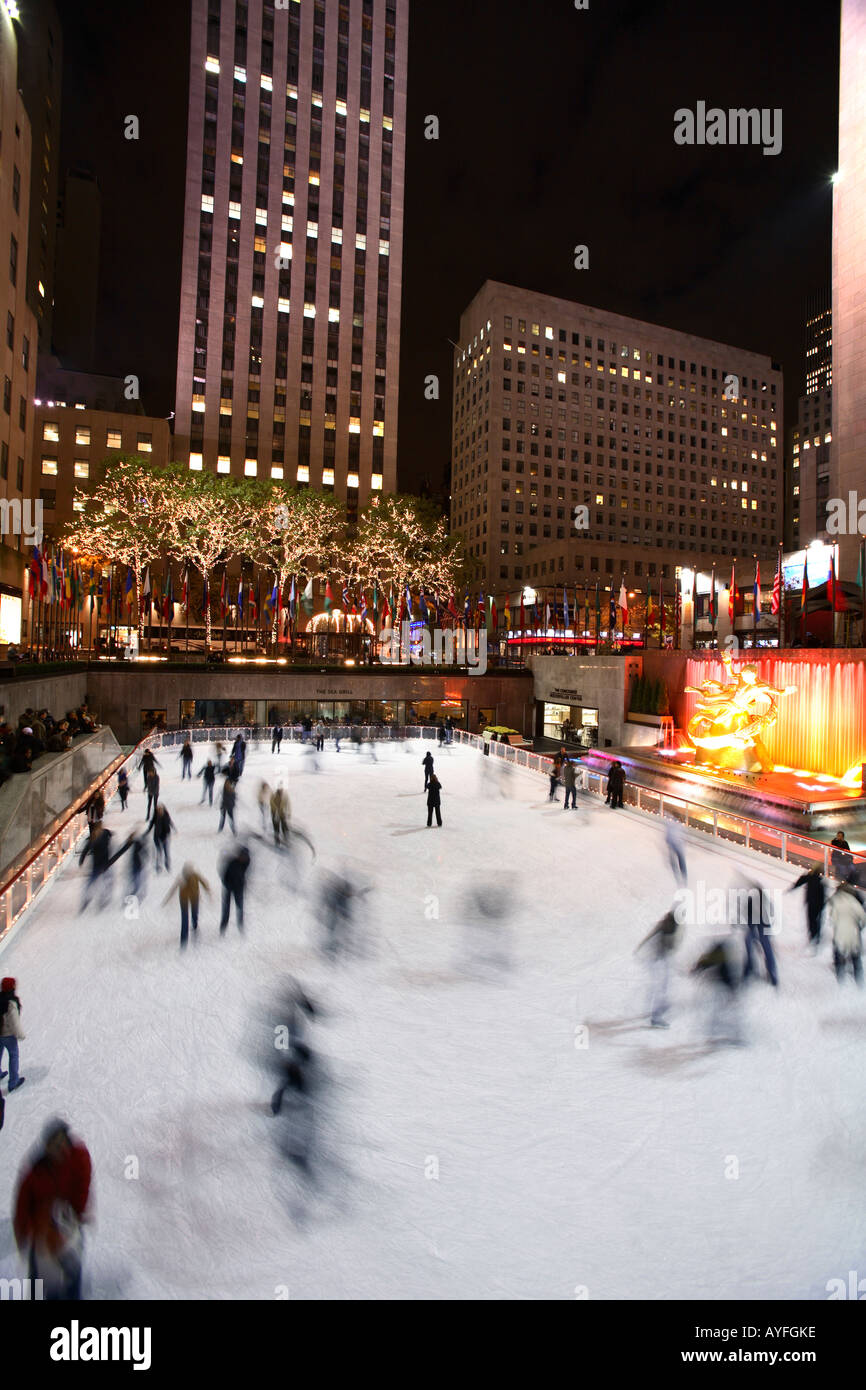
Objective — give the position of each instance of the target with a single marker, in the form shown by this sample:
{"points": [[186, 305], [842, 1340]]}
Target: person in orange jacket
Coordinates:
{"points": [[50, 1207]]}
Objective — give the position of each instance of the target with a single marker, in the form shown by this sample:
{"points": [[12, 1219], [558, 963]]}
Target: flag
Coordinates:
{"points": [[564, 608], [650, 610], [776, 601], [186, 586], [838, 602], [387, 610], [329, 597], [712, 607], [254, 601], [423, 611], [128, 587], [91, 587], [145, 590], [453, 610], [597, 610], [694, 598], [168, 598], [492, 616], [36, 572], [622, 602], [293, 598], [733, 595], [346, 599], [271, 602], [466, 609], [612, 613], [408, 602], [240, 597], [522, 613], [223, 587], [804, 596], [661, 608], [375, 603], [547, 616], [507, 615], [307, 598], [363, 608], [756, 592]]}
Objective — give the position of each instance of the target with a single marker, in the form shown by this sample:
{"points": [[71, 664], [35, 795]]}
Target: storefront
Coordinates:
{"points": [[571, 723], [222, 713]]}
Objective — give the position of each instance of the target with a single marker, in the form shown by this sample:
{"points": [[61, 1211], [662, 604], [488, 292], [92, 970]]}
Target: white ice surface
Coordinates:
{"points": [[560, 1167]]}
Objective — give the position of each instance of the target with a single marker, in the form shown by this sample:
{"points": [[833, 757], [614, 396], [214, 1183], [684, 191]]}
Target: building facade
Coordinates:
{"points": [[848, 449], [288, 349], [40, 76], [19, 346], [588, 444]]}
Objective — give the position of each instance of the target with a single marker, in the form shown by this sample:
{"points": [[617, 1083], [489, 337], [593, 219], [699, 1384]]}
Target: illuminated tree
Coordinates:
{"points": [[404, 542], [293, 532], [205, 525]]}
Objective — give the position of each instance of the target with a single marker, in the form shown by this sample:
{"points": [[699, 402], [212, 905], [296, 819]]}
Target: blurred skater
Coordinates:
{"points": [[227, 805], [95, 809], [662, 941], [569, 781], [152, 793], [555, 770], [615, 785], [276, 738], [759, 931], [11, 1032], [123, 788], [98, 850], [718, 965], [675, 841], [263, 797], [280, 813], [147, 763], [163, 825], [849, 918], [186, 760], [188, 886], [208, 776], [233, 876], [50, 1209], [815, 886]]}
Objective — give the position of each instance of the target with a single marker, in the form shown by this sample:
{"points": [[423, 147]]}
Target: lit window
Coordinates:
{"points": [[548, 332], [828, 438], [112, 439], [261, 216], [276, 471], [316, 99], [240, 74], [378, 429], [234, 211], [82, 434], [376, 482], [328, 477], [145, 444], [81, 468], [342, 109], [384, 248], [225, 405], [314, 179], [364, 115], [51, 430], [257, 302], [198, 404], [352, 480], [211, 64], [285, 249], [223, 464], [267, 82], [251, 467], [333, 316], [309, 311], [387, 123], [312, 229], [535, 330], [292, 92], [41, 288], [206, 202], [196, 462], [287, 222], [289, 199], [303, 473], [337, 235], [237, 159], [354, 426], [78, 506], [283, 306], [49, 466]]}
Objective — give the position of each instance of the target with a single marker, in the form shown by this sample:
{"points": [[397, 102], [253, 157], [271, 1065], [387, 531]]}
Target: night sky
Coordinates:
{"points": [[556, 128]]}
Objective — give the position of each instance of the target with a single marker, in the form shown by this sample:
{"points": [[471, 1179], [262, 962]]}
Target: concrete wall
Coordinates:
{"points": [[120, 695], [57, 694], [598, 682]]}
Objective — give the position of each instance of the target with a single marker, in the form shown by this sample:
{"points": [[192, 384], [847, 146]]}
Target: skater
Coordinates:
{"points": [[10, 1031], [676, 844], [320, 736], [337, 905], [759, 930], [849, 918], [815, 884], [569, 781], [50, 1208], [152, 794], [219, 749], [232, 770], [615, 785], [233, 875], [724, 1016], [441, 735], [163, 825], [137, 846], [280, 813], [555, 770], [264, 800], [123, 788], [95, 809], [427, 764], [147, 764], [187, 886], [208, 776], [434, 800], [227, 805], [663, 942], [276, 738], [98, 847], [239, 753], [186, 759], [841, 858], [449, 730]]}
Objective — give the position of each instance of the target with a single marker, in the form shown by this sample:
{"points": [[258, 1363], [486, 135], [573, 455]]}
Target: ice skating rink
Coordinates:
{"points": [[497, 1121]]}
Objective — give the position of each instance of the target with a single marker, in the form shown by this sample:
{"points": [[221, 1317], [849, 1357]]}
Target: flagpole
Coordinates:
{"points": [[713, 608], [757, 602]]}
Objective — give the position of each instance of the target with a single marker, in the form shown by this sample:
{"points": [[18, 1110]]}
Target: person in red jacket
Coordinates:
{"points": [[50, 1207]]}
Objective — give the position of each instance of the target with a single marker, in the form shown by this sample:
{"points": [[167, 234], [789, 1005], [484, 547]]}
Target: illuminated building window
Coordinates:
{"points": [[261, 216], [224, 464], [49, 466], [51, 431], [303, 473], [309, 311], [276, 470], [376, 482], [198, 404], [234, 211], [328, 477], [352, 480], [81, 468], [206, 202], [112, 439], [144, 444], [251, 468], [354, 426], [211, 64], [240, 74], [82, 434], [196, 462]]}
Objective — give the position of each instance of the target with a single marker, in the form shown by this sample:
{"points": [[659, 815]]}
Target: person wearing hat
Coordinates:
{"points": [[10, 1031], [50, 1207]]}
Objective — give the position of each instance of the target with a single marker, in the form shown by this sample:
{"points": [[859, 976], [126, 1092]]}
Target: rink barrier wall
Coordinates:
{"points": [[784, 846]]}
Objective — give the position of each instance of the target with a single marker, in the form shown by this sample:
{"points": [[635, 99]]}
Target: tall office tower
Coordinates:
{"points": [[18, 350], [289, 339], [671, 443], [79, 226], [808, 461], [40, 77], [848, 449]]}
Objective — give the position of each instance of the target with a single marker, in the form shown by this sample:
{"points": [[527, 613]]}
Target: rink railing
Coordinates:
{"points": [[787, 846]]}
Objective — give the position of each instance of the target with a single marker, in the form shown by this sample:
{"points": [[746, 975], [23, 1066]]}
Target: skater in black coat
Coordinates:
{"points": [[227, 805], [123, 788], [208, 774], [148, 764], [276, 738], [615, 785], [233, 876], [427, 764], [434, 802], [163, 825], [186, 759], [98, 850], [152, 794], [816, 896]]}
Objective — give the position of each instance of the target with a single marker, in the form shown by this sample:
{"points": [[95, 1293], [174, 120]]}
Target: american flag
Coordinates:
{"points": [[776, 600]]}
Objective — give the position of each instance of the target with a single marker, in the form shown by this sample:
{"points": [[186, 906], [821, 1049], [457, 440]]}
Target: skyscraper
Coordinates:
{"points": [[288, 347], [848, 448], [808, 463], [40, 74]]}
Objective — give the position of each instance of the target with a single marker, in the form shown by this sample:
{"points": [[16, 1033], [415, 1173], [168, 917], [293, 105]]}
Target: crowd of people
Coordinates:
{"points": [[38, 732]]}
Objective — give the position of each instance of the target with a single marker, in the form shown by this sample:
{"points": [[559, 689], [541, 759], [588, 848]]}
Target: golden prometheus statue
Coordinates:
{"points": [[729, 720]]}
